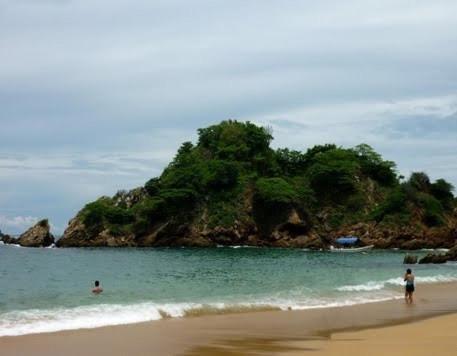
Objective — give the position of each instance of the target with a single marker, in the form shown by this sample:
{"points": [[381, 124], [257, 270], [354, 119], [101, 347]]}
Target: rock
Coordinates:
{"points": [[117, 241], [433, 258], [312, 241], [413, 244], [253, 240], [410, 259], [37, 236], [76, 235], [129, 198], [294, 218], [199, 241], [283, 243], [7, 239], [451, 255]]}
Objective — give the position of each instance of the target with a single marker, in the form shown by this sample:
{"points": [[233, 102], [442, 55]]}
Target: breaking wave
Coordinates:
{"points": [[34, 321], [378, 285]]}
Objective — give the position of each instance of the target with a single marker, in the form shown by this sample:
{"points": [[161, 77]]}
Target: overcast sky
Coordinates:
{"points": [[96, 96]]}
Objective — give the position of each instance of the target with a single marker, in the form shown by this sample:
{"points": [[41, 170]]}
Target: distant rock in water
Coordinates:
{"points": [[410, 259], [7, 239], [451, 255], [38, 235]]}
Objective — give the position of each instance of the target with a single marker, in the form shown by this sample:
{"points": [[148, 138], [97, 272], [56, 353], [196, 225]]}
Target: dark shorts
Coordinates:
{"points": [[410, 288]]}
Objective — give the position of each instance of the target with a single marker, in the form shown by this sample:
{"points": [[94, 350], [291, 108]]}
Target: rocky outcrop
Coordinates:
{"points": [[433, 258], [129, 198], [77, 235], [295, 232], [410, 260], [451, 255], [7, 239], [402, 237], [38, 235]]}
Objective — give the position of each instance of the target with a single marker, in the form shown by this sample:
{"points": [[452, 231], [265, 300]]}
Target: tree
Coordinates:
{"points": [[233, 140], [442, 190], [333, 173], [275, 191], [312, 152], [152, 186], [220, 174], [420, 181], [291, 162], [374, 166]]}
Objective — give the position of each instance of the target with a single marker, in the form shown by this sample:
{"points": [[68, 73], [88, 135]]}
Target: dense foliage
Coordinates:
{"points": [[233, 162]]}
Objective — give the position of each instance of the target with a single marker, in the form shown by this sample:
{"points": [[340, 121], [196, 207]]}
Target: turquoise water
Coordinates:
{"points": [[48, 289]]}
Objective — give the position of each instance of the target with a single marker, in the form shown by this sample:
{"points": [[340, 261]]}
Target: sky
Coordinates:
{"points": [[96, 96]]}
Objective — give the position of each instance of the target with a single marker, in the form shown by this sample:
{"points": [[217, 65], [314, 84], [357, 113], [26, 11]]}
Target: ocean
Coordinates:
{"points": [[49, 289]]}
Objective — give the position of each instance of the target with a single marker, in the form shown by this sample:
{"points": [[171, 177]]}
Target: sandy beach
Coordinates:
{"points": [[392, 328], [436, 336]]}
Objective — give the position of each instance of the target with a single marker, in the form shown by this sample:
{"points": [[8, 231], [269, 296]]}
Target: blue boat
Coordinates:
{"points": [[347, 240], [348, 244]]}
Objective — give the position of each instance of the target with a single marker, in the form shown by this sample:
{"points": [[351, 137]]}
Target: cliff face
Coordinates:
{"points": [[294, 231], [38, 235], [231, 188]]}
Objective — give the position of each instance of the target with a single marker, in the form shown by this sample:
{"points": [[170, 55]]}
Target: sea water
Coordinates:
{"points": [[49, 289]]}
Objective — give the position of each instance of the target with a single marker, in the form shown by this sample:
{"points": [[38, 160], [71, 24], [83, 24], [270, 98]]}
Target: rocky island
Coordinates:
{"points": [[232, 188], [38, 235]]}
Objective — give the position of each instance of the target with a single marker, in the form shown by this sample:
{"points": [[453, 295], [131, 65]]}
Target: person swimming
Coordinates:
{"points": [[409, 287], [97, 289]]}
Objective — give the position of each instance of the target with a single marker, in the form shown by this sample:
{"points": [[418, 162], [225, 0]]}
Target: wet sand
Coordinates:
{"points": [[260, 333], [436, 336]]}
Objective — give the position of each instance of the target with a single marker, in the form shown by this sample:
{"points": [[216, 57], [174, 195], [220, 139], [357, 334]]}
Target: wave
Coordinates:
{"points": [[236, 246], [378, 285], [12, 245], [369, 286], [434, 249], [35, 321]]}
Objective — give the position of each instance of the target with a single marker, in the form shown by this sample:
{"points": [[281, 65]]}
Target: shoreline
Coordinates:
{"points": [[219, 332]]}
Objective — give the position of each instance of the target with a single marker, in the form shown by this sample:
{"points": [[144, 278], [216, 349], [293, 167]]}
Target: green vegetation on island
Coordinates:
{"points": [[231, 187]]}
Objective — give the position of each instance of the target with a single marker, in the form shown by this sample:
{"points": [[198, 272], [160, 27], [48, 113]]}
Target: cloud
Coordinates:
{"points": [[16, 224], [97, 96], [417, 133], [424, 126]]}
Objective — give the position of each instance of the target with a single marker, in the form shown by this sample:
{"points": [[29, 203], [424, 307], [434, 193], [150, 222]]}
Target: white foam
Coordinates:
{"points": [[236, 246], [378, 285], [369, 286], [242, 246], [49, 320], [34, 321], [435, 249], [92, 316], [15, 245]]}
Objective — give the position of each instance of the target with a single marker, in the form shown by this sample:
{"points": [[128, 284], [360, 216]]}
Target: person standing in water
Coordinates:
{"points": [[97, 289], [409, 287]]}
